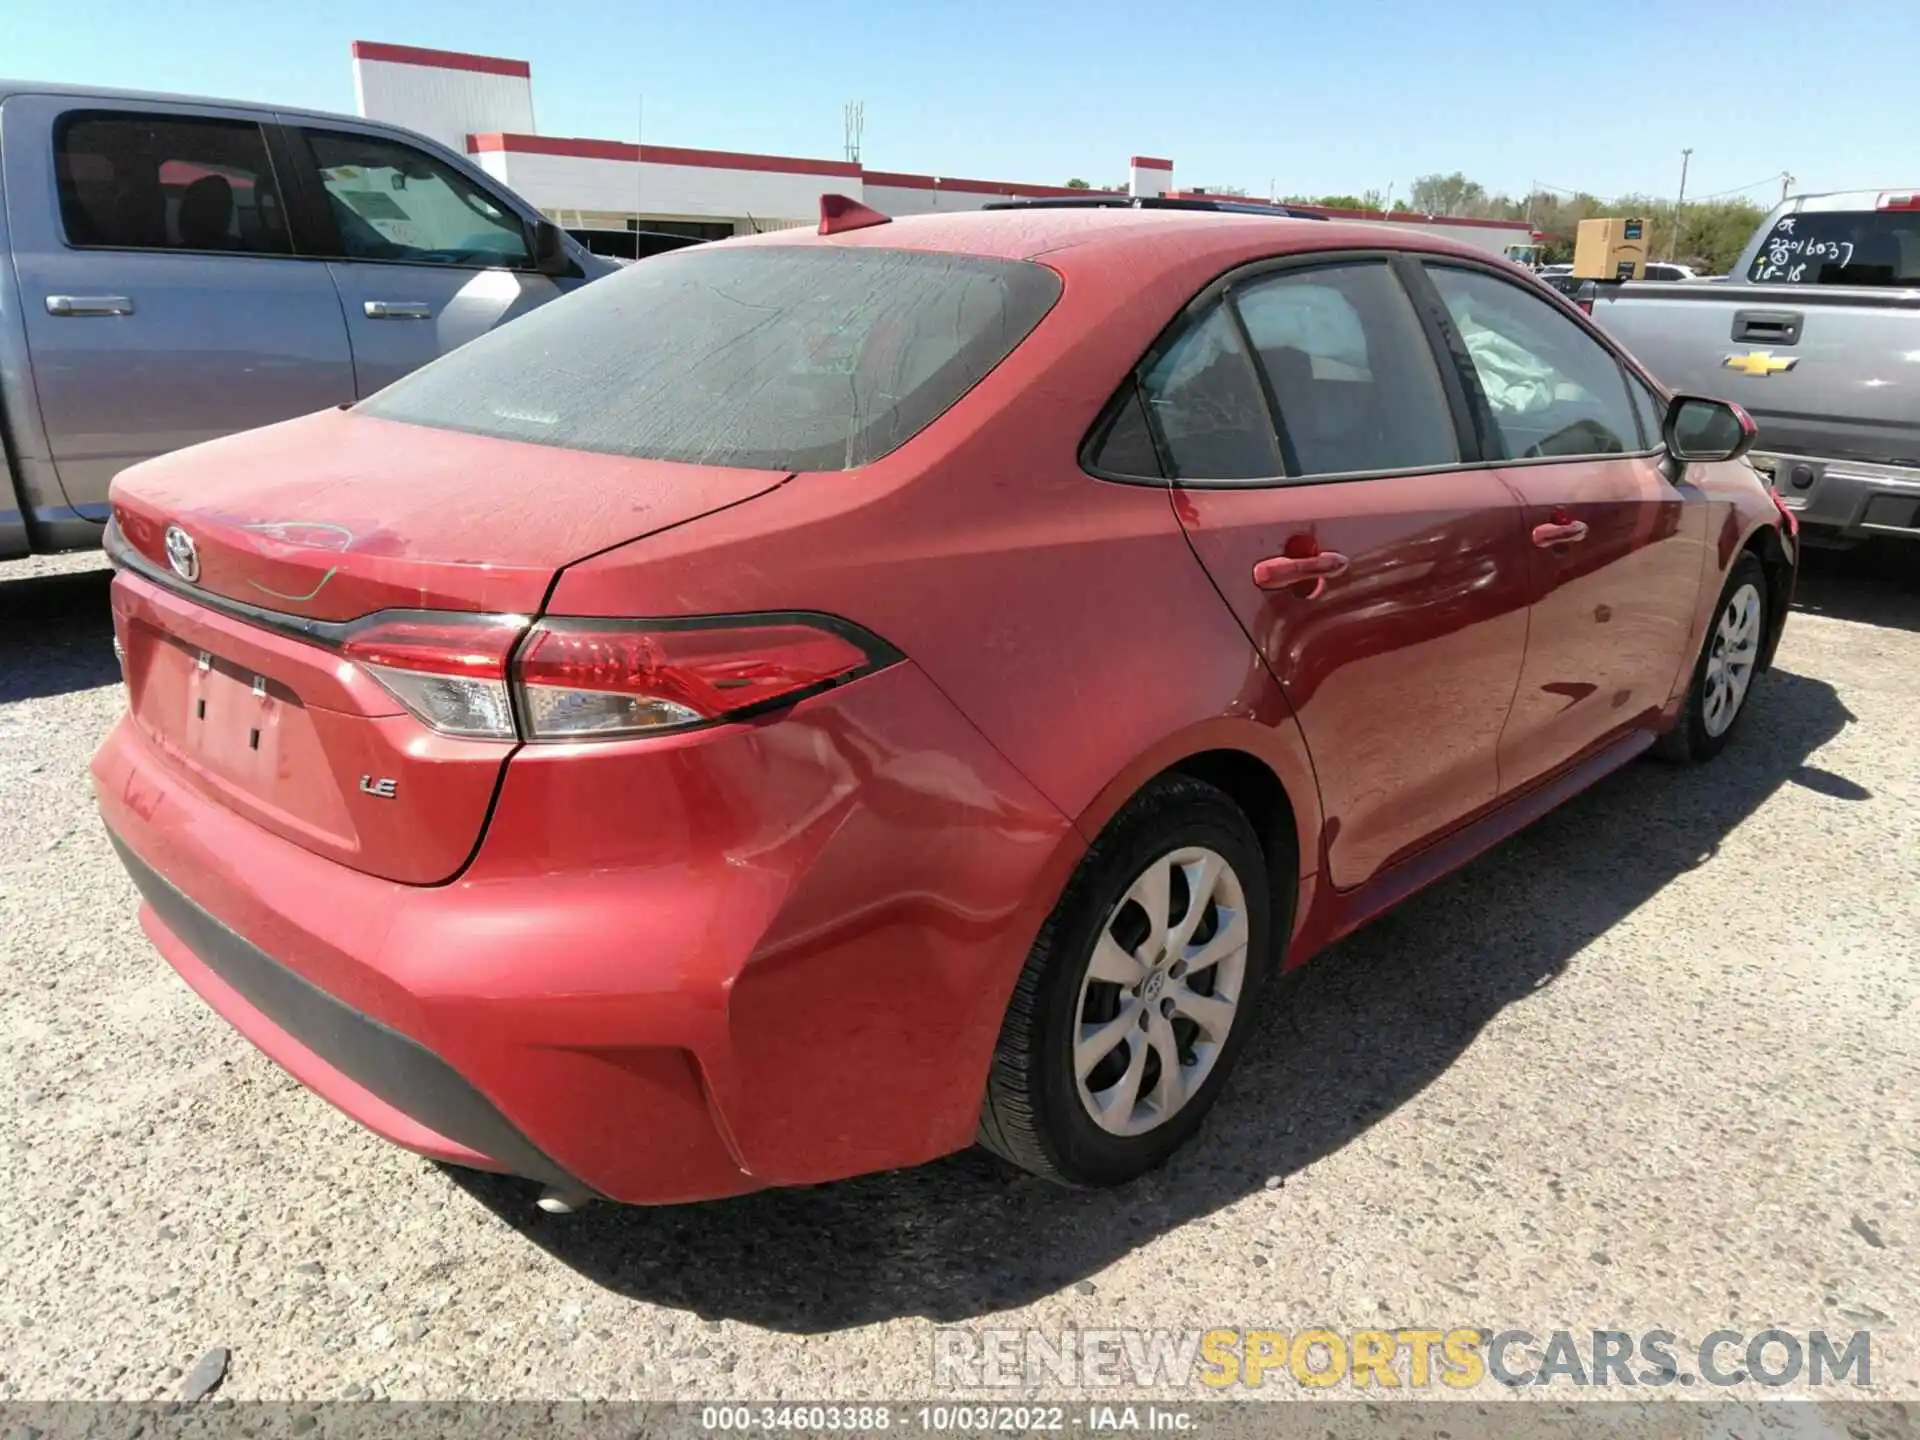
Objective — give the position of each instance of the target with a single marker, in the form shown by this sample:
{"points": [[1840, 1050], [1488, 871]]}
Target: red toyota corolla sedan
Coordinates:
{"points": [[806, 704]]}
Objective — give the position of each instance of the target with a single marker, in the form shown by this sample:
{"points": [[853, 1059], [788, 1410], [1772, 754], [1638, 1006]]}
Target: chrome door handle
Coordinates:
{"points": [[1281, 571], [89, 305], [1562, 533], [398, 310]]}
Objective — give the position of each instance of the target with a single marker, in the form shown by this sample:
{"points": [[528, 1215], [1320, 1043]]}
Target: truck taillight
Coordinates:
{"points": [[582, 679], [1900, 202], [490, 677], [1789, 521], [449, 670]]}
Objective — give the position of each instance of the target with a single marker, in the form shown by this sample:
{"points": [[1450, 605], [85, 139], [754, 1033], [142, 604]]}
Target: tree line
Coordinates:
{"points": [[1707, 234]]}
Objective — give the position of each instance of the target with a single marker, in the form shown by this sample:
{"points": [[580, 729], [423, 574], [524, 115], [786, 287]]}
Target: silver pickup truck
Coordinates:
{"points": [[174, 269], [1816, 332]]}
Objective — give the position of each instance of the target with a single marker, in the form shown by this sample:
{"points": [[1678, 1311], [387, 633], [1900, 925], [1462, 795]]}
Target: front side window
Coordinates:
{"points": [[1350, 369], [768, 357], [1203, 397], [160, 182], [1553, 390], [392, 202], [1840, 247]]}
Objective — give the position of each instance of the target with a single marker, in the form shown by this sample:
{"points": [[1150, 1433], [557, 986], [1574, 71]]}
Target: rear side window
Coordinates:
{"points": [[1351, 370], [1125, 445], [1553, 390], [1203, 396], [161, 182], [758, 356], [1841, 247]]}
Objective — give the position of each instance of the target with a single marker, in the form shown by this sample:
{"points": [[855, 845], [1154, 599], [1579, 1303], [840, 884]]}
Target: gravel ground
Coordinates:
{"points": [[1654, 1064]]}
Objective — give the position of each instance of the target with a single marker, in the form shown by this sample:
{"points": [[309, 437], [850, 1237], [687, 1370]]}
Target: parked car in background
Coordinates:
{"points": [[174, 269], [814, 700], [1562, 278], [630, 245], [1817, 333]]}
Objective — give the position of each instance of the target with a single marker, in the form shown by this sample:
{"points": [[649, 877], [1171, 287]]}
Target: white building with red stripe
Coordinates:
{"points": [[483, 105]]}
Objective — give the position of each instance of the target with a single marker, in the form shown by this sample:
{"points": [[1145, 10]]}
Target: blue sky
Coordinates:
{"points": [[1327, 97]]}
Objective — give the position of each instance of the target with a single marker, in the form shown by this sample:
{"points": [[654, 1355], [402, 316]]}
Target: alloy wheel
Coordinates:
{"points": [[1730, 660], [1161, 991]]}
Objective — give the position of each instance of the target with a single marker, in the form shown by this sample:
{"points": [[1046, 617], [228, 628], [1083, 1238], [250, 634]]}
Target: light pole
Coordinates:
{"points": [[1679, 206]]}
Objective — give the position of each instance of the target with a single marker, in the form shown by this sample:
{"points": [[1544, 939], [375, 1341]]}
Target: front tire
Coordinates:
{"points": [[1729, 663], [1138, 993]]}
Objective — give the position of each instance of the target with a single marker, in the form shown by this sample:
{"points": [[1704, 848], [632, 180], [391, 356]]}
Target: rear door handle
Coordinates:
{"points": [[89, 305], [398, 310], [1279, 571], [1559, 533]]}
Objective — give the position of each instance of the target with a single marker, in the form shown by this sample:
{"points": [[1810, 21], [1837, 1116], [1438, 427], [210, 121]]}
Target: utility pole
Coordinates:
{"points": [[856, 128], [1786, 184], [1679, 206]]}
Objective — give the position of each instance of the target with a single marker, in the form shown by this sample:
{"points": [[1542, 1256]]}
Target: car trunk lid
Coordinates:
{"points": [[337, 515], [233, 644]]}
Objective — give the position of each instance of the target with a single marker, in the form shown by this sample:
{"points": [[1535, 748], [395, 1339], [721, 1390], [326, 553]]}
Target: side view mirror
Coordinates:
{"points": [[1697, 428], [549, 245]]}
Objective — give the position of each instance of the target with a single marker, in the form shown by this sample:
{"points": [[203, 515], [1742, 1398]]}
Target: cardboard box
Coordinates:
{"points": [[1610, 250]]}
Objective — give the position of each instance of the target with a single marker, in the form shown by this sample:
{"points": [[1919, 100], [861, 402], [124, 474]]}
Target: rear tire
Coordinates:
{"points": [[1728, 665], [1124, 1023]]}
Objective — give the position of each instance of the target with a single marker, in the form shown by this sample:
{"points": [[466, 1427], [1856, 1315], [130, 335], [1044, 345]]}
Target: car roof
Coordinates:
{"points": [[9, 88], [1085, 232], [1273, 211]]}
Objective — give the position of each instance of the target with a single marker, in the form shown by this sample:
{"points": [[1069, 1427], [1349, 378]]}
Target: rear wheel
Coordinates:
{"points": [[1729, 662], [1137, 994]]}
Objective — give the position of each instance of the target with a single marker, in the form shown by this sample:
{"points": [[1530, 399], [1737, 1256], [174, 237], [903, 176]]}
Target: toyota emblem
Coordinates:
{"points": [[182, 554]]}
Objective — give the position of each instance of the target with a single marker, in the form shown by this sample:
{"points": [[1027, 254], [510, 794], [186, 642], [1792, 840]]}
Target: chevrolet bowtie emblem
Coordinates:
{"points": [[1760, 362]]}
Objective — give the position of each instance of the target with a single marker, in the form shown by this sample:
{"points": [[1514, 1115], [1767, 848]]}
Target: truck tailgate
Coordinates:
{"points": [[1826, 371]]}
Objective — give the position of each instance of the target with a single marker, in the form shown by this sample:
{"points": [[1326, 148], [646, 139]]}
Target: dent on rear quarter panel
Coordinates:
{"points": [[866, 866]]}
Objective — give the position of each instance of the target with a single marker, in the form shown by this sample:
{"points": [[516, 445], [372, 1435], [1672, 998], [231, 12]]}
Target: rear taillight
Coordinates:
{"points": [[491, 677], [448, 669], [585, 678], [1900, 202]]}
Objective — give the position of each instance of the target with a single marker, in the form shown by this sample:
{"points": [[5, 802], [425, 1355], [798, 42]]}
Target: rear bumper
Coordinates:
{"points": [[674, 970], [1850, 497], [393, 1084]]}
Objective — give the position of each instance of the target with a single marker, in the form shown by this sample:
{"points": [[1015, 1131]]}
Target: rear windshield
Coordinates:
{"points": [[1841, 247], [757, 356]]}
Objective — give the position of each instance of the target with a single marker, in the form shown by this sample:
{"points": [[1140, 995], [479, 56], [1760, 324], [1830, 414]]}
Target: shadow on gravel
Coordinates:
{"points": [[1344, 1041], [1877, 583], [56, 634]]}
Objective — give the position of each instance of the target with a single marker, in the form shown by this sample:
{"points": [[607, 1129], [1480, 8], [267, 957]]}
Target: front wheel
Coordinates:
{"points": [[1137, 994], [1729, 662]]}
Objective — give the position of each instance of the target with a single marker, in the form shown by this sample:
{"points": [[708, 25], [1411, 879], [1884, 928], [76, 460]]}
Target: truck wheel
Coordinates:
{"points": [[1138, 993], [1723, 676]]}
